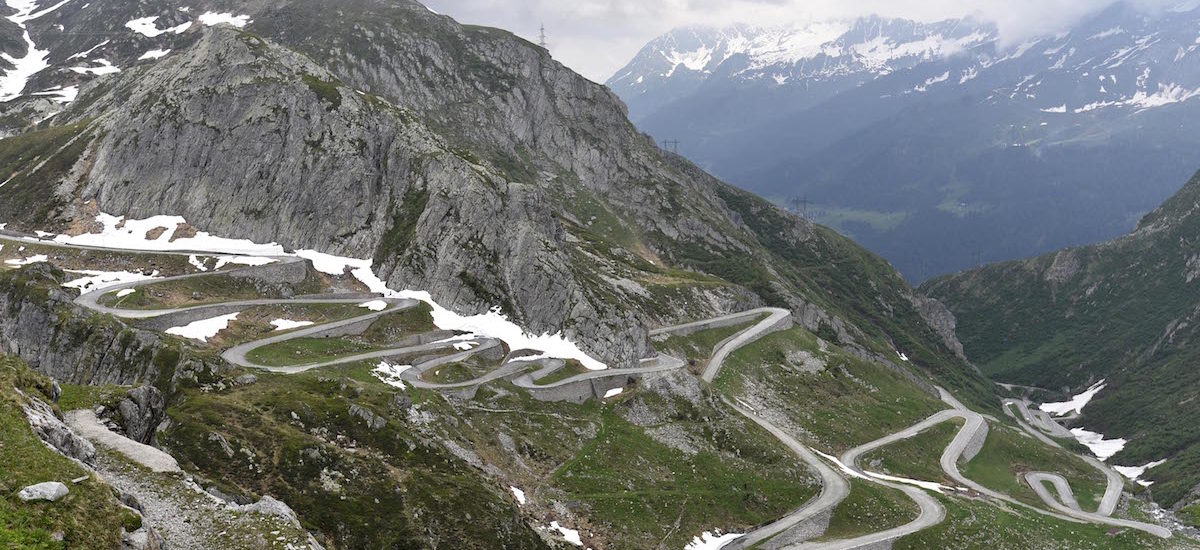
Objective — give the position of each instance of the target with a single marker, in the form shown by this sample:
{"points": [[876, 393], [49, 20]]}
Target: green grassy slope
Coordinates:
{"points": [[1124, 311]]}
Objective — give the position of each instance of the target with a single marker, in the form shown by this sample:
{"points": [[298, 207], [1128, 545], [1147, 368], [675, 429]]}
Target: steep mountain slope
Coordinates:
{"points": [[465, 162], [1123, 312], [917, 119]]}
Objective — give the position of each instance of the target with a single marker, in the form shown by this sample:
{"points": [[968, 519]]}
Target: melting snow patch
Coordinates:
{"points": [[119, 232], [60, 94], [1102, 448], [286, 324], [196, 263], [30, 260], [204, 329], [464, 346], [13, 81], [89, 51], [126, 292], [374, 305], [927, 485], [146, 27], [519, 494], [223, 261], [1060, 109], [845, 469], [390, 374], [212, 18], [96, 280], [571, 535], [1135, 472], [1076, 403], [104, 68], [710, 541], [613, 392], [154, 54]]}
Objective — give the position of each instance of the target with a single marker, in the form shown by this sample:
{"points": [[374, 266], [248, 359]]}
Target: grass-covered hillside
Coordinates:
{"points": [[1124, 311]]}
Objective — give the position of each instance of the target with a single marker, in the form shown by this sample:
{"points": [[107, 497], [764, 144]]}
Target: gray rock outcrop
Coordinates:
{"points": [[56, 433], [49, 491], [140, 413]]}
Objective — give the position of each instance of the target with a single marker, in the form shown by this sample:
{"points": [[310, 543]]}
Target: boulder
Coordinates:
{"points": [[50, 490]]}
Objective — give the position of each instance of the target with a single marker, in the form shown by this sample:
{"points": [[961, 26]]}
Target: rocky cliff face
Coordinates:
{"points": [[41, 326], [464, 160]]}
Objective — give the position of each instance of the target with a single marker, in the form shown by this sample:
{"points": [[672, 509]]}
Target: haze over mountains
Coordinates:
{"points": [[936, 145]]}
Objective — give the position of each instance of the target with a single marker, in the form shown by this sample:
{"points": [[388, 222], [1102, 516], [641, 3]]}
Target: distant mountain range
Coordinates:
{"points": [[937, 145]]}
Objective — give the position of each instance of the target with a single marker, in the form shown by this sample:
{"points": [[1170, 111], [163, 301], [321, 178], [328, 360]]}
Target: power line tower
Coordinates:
{"points": [[542, 37], [800, 206], [672, 144]]}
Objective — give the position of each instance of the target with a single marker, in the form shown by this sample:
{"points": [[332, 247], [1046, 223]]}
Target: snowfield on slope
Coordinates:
{"points": [[121, 233]]}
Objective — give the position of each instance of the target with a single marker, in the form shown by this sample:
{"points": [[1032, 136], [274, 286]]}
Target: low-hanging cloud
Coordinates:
{"points": [[597, 37]]}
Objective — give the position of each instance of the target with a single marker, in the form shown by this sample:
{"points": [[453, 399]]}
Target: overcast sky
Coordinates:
{"points": [[597, 37]]}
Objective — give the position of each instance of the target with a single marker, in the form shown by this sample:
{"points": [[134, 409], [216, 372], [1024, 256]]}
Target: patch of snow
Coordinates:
{"points": [[131, 235], [931, 81], [85, 53], [1135, 472], [571, 535], [26, 261], [464, 346], [844, 468], [927, 485], [968, 74], [96, 280], [105, 68], [903, 357], [613, 392], [287, 324], [1060, 109], [204, 329], [1076, 404], [212, 18], [196, 263], [225, 260], [374, 305], [154, 54], [519, 494], [1102, 448], [126, 292], [1105, 34], [60, 94], [710, 541], [13, 82], [390, 374]]}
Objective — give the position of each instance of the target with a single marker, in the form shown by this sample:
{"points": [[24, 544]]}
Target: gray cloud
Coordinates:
{"points": [[597, 37]]}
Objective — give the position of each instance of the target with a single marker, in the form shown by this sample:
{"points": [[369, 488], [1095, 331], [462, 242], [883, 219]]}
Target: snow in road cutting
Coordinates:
{"points": [[204, 329], [374, 305], [1076, 403], [119, 232]]}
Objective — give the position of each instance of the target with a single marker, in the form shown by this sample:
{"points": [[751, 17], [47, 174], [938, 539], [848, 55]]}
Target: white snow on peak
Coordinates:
{"points": [[1166, 94], [1102, 448], [146, 27], [212, 18], [1075, 404], [695, 60], [1107, 33], [931, 81], [204, 329], [154, 54], [711, 541], [1060, 109]]}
